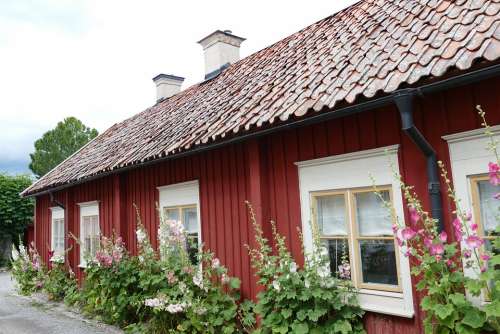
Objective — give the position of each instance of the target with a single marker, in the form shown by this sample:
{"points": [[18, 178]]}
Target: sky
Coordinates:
{"points": [[94, 59]]}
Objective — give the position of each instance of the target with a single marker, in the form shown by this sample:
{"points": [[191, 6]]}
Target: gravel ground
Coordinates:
{"points": [[23, 315]]}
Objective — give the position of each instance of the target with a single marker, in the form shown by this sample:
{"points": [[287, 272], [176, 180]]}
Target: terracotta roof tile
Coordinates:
{"points": [[373, 46]]}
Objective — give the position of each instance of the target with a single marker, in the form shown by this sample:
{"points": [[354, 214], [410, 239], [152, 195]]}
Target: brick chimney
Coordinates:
{"points": [[221, 49]]}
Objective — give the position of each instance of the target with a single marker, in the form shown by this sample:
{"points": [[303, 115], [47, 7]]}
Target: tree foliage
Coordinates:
{"points": [[15, 212], [58, 144]]}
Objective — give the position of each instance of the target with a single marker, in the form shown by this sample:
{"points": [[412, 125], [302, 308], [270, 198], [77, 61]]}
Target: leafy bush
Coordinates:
{"points": [[159, 291], [27, 269], [111, 290], [16, 213], [59, 281], [439, 268], [188, 297], [301, 300]]}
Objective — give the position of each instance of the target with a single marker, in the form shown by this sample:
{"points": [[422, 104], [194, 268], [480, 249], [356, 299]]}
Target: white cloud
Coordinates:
{"points": [[95, 59]]}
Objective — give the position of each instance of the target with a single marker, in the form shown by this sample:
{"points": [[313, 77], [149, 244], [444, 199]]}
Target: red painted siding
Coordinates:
{"points": [[263, 172]]}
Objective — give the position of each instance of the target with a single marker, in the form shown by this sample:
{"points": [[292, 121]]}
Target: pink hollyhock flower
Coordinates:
{"points": [[414, 215], [449, 262], [407, 253], [407, 233], [438, 257], [485, 257], [474, 241], [474, 227], [394, 229], [171, 279], [457, 228], [188, 270], [443, 236], [484, 268], [467, 253], [427, 242], [437, 249], [493, 171], [468, 216]]}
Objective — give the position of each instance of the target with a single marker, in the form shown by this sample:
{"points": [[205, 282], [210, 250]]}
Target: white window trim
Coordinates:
{"points": [[56, 212], [352, 171], [182, 194], [87, 209], [469, 157]]}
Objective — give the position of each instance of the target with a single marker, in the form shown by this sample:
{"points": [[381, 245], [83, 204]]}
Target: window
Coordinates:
{"points": [[180, 202], [356, 219], [57, 231], [485, 207], [337, 197], [188, 215], [89, 231], [469, 164]]}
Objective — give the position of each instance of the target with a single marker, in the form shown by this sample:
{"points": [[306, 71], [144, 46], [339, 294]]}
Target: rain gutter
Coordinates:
{"points": [[429, 88]]}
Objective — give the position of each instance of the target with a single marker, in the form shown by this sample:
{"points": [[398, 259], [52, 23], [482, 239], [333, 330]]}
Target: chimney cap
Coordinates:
{"points": [[230, 38], [168, 76]]}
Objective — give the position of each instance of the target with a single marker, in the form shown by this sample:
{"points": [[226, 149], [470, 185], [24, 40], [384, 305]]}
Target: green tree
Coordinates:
{"points": [[58, 144], [16, 213]]}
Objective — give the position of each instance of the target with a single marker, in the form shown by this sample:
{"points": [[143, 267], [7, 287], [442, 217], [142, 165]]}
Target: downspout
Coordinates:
{"points": [[404, 101], [55, 201]]}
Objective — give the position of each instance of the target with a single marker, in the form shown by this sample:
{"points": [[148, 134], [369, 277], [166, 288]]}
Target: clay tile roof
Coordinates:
{"points": [[369, 48]]}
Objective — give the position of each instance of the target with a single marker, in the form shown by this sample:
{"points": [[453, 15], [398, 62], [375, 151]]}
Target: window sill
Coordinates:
{"points": [[385, 302]]}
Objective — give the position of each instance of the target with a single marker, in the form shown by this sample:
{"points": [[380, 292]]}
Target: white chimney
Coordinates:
{"points": [[167, 85], [221, 48]]}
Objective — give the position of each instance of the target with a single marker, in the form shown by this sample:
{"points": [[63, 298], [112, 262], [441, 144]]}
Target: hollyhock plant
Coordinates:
{"points": [[453, 273], [313, 299], [27, 269]]}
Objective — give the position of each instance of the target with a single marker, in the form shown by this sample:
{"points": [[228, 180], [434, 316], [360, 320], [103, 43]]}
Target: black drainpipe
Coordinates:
{"points": [[404, 102], [55, 201]]}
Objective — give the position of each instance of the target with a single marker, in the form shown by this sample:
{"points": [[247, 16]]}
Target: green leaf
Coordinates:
{"points": [[458, 299], [235, 283], [493, 309], [474, 318], [342, 326], [300, 328], [426, 303], [443, 311]]}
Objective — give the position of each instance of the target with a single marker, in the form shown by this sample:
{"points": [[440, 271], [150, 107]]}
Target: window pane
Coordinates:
{"points": [[171, 214], [488, 206], [190, 219], [378, 261], [193, 247], [337, 249], [331, 215], [372, 217]]}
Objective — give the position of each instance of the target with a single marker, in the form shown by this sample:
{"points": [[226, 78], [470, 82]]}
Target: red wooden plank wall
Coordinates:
{"points": [[263, 172]]}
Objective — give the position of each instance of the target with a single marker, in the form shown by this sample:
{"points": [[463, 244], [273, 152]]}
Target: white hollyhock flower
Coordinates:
{"points": [[276, 285], [15, 253], [141, 236], [293, 267], [215, 263]]}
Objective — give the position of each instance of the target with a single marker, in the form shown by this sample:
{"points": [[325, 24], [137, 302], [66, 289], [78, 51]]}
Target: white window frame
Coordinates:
{"points": [[57, 213], [469, 158], [349, 171], [182, 195], [87, 209]]}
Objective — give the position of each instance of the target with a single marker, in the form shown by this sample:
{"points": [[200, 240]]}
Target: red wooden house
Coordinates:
{"points": [[295, 129]]}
